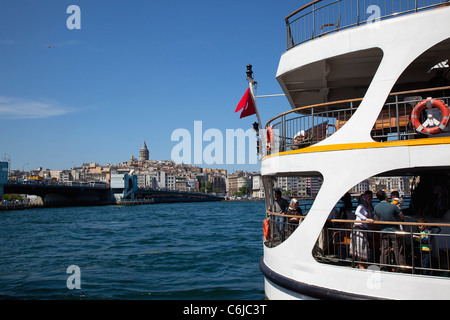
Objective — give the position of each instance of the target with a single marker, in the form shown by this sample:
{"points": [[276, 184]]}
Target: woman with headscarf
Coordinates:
{"points": [[295, 210], [359, 244]]}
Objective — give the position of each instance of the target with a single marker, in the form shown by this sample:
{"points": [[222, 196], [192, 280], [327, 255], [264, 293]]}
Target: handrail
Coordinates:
{"points": [[352, 100], [403, 223], [285, 215], [300, 9], [311, 18]]}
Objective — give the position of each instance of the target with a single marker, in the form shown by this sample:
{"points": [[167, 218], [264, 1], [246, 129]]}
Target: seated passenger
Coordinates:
{"points": [[298, 139]]}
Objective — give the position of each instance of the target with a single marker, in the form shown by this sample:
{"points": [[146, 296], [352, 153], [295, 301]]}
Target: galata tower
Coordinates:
{"points": [[143, 153]]}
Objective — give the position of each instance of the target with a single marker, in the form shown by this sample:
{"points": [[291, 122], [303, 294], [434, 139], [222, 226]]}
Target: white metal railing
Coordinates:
{"points": [[393, 123], [321, 17]]}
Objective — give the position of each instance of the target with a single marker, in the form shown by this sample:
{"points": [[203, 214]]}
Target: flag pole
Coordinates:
{"points": [[260, 140], [251, 84]]}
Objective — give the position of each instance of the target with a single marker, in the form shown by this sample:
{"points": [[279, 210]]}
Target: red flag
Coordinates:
{"points": [[246, 104]]}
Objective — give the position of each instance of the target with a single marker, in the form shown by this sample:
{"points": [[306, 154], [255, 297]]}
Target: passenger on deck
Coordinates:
{"points": [[280, 206], [395, 199], [385, 211], [298, 139], [425, 245], [294, 210], [359, 244]]}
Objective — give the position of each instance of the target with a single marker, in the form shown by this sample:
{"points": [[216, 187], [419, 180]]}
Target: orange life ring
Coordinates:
{"points": [[437, 126], [266, 229], [269, 137]]}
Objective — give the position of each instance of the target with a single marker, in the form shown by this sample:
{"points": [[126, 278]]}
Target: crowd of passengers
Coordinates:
{"points": [[360, 245]]}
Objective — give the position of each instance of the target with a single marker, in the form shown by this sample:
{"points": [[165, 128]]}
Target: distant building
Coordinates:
{"points": [[166, 180], [257, 186], [123, 186], [147, 180], [3, 176], [218, 183], [144, 153], [237, 180], [361, 187]]}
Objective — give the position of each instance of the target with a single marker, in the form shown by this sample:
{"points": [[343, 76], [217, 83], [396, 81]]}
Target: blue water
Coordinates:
{"points": [[164, 251]]}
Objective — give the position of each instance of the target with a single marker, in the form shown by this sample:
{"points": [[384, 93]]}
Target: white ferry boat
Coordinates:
{"points": [[367, 83]]}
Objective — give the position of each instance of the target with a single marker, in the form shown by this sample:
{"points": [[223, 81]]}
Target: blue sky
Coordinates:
{"points": [[135, 70]]}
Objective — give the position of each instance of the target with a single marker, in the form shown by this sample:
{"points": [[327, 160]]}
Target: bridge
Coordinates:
{"points": [[161, 196], [58, 195]]}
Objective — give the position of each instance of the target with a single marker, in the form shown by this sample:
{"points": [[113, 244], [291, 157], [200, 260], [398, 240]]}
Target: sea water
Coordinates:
{"points": [[208, 250]]}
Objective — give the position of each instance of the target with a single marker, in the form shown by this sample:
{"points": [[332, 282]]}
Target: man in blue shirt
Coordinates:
{"points": [[385, 211]]}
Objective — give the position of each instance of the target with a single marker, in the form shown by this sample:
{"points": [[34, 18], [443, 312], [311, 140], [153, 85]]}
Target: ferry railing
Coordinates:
{"points": [[321, 17], [318, 122], [280, 227], [339, 247], [337, 244]]}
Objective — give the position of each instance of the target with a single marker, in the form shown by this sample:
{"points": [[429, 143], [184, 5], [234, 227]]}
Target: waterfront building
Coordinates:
{"points": [[218, 183], [3, 176], [191, 185], [65, 176], [361, 187], [180, 183], [257, 186], [147, 180], [166, 180], [401, 184], [237, 180]]}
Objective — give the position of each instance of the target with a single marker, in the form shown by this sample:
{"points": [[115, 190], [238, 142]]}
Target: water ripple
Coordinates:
{"points": [[164, 251]]}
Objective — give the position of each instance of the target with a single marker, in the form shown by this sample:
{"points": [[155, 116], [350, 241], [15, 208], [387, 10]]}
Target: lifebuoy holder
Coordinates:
{"points": [[266, 229], [431, 125], [269, 137]]}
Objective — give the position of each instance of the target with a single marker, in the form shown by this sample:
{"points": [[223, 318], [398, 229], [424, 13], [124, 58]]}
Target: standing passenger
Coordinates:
{"points": [[395, 199], [385, 211], [425, 245], [280, 207], [359, 244]]}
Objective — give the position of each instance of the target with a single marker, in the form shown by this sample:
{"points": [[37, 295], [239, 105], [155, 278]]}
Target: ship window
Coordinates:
{"points": [[421, 194], [288, 202]]}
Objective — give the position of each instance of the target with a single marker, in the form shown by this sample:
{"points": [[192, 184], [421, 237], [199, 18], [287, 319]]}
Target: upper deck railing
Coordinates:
{"points": [[321, 17], [318, 122]]}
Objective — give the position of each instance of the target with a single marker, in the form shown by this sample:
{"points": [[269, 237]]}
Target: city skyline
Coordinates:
{"points": [[134, 71]]}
